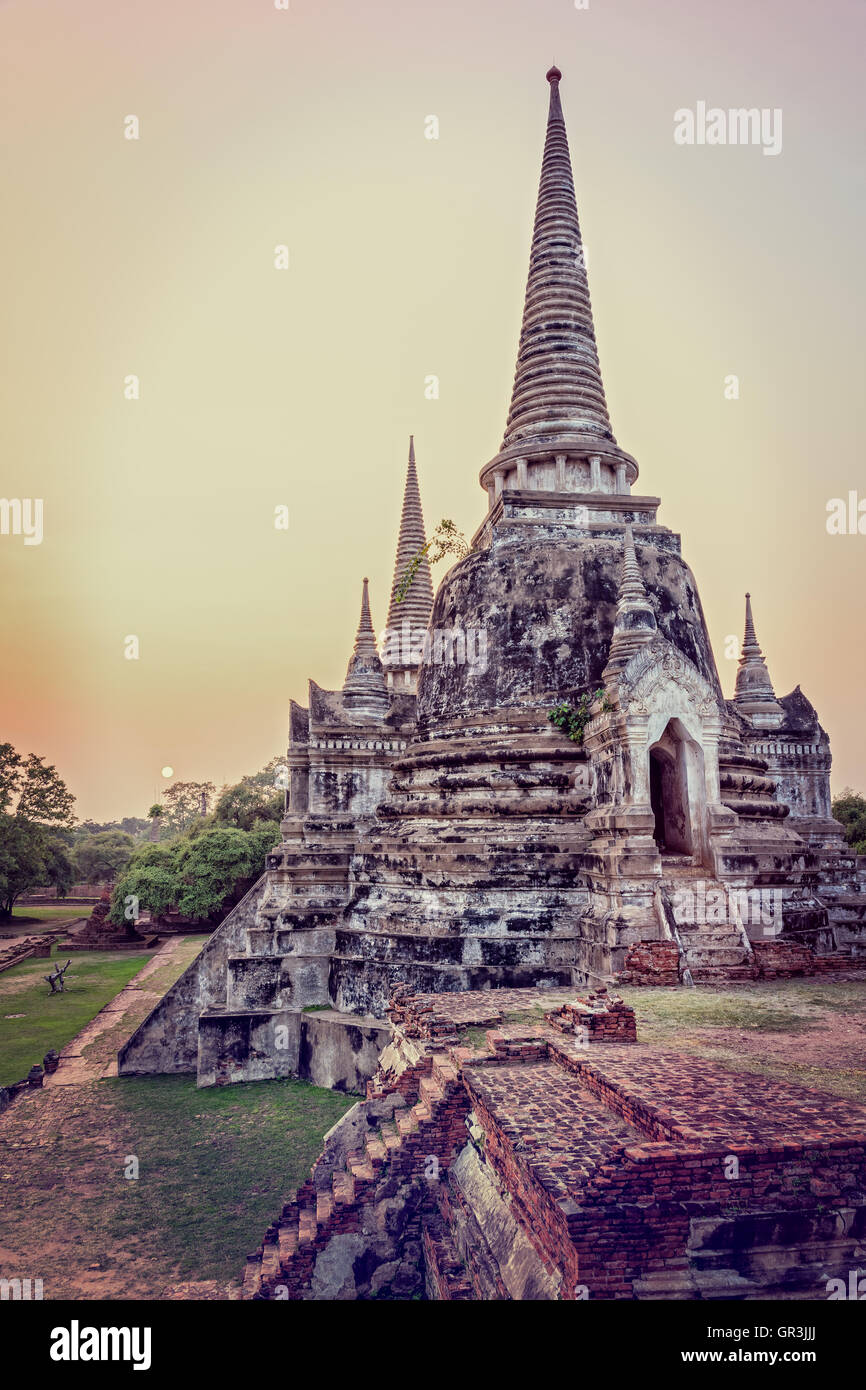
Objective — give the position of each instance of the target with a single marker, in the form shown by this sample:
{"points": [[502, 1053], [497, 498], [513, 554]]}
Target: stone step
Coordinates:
{"points": [[390, 1137], [307, 1228], [324, 1206], [376, 1152], [343, 1185], [361, 1168], [431, 1091], [715, 956], [407, 1123], [287, 1241], [252, 1279], [704, 941], [443, 1071], [725, 974], [711, 931]]}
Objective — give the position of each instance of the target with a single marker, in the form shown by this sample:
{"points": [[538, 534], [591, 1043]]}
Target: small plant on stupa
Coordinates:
{"points": [[446, 540], [573, 719]]}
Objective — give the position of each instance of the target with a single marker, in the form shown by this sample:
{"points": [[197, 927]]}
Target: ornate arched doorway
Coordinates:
{"points": [[669, 769]]}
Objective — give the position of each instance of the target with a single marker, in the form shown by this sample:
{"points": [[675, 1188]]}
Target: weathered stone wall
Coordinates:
{"points": [[548, 607], [168, 1039], [339, 1053]]}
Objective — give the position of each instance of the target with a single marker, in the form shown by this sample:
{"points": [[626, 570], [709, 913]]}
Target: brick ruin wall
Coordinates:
{"points": [[652, 1213]]}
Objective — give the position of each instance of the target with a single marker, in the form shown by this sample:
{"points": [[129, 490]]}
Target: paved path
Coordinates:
{"points": [[121, 1016]]}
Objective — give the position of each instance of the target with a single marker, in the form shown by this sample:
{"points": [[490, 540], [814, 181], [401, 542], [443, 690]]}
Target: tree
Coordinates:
{"points": [[194, 874], [43, 797], [33, 801], [10, 775], [210, 867], [152, 886], [29, 859], [31, 789], [136, 826], [22, 863], [103, 856], [257, 797], [184, 801], [850, 810], [59, 866]]}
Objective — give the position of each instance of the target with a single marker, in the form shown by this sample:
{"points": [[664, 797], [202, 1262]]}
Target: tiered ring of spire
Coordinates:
{"points": [[557, 384], [558, 404], [416, 604]]}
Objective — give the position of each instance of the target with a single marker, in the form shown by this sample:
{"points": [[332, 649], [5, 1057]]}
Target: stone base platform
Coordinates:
{"points": [[323, 1046], [547, 1165]]}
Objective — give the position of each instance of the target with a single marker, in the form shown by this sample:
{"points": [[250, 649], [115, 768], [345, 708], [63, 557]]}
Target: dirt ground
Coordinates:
{"points": [[809, 1032]]}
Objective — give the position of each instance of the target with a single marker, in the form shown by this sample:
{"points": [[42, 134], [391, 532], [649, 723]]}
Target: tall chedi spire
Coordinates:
{"points": [[365, 692], [408, 617], [558, 435], [635, 622], [754, 695]]}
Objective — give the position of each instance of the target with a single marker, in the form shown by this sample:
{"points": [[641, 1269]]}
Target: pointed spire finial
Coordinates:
{"points": [[754, 695], [558, 402], [635, 622], [365, 691], [750, 639], [631, 582], [403, 645]]}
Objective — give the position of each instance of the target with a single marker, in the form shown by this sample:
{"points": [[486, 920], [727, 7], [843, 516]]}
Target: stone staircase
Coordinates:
{"points": [[332, 1203], [715, 952]]}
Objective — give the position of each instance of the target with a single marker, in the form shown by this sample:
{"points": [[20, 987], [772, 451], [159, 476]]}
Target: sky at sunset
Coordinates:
{"points": [[262, 387]]}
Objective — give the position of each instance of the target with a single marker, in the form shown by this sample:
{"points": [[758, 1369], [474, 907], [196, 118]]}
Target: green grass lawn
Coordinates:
{"points": [[783, 1006], [40, 917], [215, 1165], [52, 1020]]}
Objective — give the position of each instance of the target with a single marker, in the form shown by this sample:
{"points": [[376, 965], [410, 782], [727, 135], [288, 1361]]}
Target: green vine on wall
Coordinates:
{"points": [[446, 540], [574, 719]]}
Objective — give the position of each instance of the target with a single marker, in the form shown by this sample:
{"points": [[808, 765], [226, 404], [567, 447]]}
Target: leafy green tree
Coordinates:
{"points": [[259, 797], [153, 886], [34, 801], [850, 810], [196, 873], [210, 866], [103, 856], [159, 856], [22, 861], [59, 865], [182, 803], [136, 826], [33, 788]]}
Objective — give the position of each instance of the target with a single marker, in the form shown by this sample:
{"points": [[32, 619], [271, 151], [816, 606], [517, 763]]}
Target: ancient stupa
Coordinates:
{"points": [[445, 833]]}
